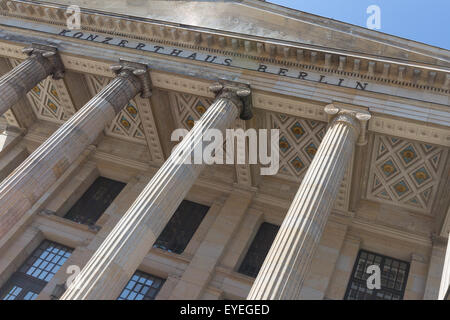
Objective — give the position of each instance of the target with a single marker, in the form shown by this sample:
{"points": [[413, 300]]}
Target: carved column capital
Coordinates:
{"points": [[356, 119], [48, 57], [135, 72], [239, 93]]}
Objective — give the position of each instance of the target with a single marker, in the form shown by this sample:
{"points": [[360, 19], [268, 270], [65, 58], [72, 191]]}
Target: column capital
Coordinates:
{"points": [[239, 93], [355, 118], [48, 57], [138, 71]]}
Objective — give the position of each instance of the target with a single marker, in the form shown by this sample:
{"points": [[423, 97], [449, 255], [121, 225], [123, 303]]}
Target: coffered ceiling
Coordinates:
{"points": [[405, 173]]}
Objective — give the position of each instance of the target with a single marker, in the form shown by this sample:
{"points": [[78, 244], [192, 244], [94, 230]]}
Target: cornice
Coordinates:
{"points": [[136, 165], [306, 57], [392, 233], [44, 219]]}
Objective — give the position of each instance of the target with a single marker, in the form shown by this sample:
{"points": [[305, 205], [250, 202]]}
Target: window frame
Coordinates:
{"points": [[147, 277], [241, 265], [391, 291], [29, 283], [86, 217], [25, 282], [179, 247]]}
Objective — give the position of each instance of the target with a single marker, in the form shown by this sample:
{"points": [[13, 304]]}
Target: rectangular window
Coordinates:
{"points": [[181, 227], [95, 201], [258, 250], [39, 268], [142, 286], [393, 277]]}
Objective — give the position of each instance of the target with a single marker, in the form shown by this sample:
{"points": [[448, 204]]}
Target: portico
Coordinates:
{"points": [[363, 158]]}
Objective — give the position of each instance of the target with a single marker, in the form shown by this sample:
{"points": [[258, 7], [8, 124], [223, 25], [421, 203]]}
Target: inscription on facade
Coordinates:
{"points": [[216, 59]]}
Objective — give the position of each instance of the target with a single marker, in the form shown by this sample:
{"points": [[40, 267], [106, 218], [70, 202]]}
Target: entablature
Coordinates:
{"points": [[399, 116]]}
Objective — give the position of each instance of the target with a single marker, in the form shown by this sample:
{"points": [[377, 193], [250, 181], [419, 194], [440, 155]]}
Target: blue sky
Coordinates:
{"points": [[426, 21]]}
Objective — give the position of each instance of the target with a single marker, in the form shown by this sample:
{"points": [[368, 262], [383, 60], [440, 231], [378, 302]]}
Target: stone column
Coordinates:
{"points": [[435, 266], [42, 61], [444, 291], [118, 257], [21, 189], [285, 268]]}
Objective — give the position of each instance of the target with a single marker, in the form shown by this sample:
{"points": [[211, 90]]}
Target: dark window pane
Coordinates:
{"points": [[12, 293], [30, 296], [258, 250], [35, 272], [142, 286], [181, 227], [95, 201], [394, 274]]}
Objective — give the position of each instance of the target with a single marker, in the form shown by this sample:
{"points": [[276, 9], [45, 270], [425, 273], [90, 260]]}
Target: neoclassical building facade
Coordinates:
{"points": [[95, 205]]}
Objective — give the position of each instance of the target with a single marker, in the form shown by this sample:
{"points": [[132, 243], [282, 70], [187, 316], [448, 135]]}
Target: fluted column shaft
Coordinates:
{"points": [[444, 289], [120, 254], [28, 182], [42, 62], [286, 265]]}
